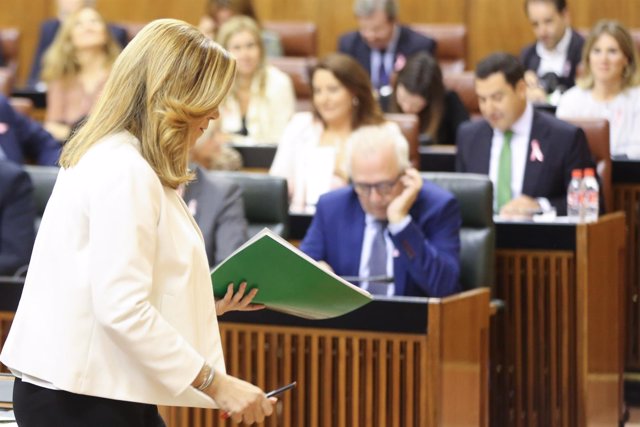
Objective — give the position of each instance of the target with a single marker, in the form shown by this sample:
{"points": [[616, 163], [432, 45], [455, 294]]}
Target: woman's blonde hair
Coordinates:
{"points": [[631, 73], [236, 25], [169, 75], [60, 59]]}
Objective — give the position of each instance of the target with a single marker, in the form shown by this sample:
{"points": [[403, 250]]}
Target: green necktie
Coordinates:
{"points": [[504, 171]]}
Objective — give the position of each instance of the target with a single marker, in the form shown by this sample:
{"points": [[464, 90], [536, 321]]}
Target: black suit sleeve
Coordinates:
{"points": [[17, 213]]}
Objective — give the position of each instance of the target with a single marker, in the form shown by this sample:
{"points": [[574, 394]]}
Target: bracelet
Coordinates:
{"points": [[208, 379]]}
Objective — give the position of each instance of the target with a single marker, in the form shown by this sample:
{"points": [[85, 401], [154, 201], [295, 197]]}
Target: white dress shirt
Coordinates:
{"points": [[519, 146], [555, 60]]}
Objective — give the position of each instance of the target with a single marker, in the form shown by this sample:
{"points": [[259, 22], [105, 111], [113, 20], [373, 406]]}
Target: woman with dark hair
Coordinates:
{"points": [[312, 151], [419, 90]]}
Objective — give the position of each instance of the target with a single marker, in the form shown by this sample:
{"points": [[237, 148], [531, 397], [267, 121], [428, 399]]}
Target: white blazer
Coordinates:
{"points": [[118, 301]]}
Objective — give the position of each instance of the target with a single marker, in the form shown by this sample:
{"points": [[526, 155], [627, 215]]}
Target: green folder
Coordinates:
{"points": [[288, 280]]}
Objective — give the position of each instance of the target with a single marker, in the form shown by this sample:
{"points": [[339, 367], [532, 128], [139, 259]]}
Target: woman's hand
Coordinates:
{"points": [[240, 400], [238, 301]]}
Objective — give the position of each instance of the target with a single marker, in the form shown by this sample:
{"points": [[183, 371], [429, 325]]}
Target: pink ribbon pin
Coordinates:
{"points": [[536, 152], [3, 128]]}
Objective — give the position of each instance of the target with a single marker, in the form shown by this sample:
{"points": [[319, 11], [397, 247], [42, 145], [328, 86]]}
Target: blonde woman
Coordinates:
{"points": [[76, 66], [262, 99], [117, 313], [609, 87]]}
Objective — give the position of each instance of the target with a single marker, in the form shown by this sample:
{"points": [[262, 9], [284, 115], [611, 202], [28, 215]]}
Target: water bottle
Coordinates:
{"points": [[590, 195], [574, 196]]}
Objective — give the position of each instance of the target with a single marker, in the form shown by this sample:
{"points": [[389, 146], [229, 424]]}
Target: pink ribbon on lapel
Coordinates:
{"points": [[536, 152], [3, 128]]}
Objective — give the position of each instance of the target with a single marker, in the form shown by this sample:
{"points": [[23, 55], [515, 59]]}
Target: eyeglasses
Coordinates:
{"points": [[383, 188]]}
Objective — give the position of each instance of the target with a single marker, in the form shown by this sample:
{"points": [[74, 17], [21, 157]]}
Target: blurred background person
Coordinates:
{"points": [[17, 216], [216, 205], [219, 11], [75, 68], [23, 139], [552, 61], [312, 152], [419, 90], [49, 29], [609, 87], [381, 41], [262, 99]]}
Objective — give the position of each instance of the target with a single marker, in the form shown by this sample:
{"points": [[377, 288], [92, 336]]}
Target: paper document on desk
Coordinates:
{"points": [[288, 280]]}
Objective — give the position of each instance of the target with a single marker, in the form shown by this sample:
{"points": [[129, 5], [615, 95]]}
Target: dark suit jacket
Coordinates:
{"points": [[409, 42], [531, 60], [427, 259], [563, 146], [48, 31], [17, 214], [22, 138], [219, 212]]}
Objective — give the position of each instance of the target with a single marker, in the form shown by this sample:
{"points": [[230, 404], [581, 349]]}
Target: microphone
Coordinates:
{"points": [[379, 279]]}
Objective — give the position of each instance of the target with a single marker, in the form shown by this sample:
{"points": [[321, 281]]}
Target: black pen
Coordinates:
{"points": [[281, 390], [272, 393]]}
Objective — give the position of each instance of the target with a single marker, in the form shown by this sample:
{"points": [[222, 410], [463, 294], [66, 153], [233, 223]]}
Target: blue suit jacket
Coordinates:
{"points": [[48, 31], [409, 42], [17, 213], [427, 259], [563, 145], [21, 137]]}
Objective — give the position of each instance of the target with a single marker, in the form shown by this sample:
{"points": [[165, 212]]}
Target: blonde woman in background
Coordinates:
{"points": [[76, 67], [117, 313], [609, 87], [262, 99], [312, 151]]}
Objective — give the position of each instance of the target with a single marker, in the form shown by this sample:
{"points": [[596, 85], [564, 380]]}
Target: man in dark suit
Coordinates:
{"points": [[381, 42], [217, 207], [17, 213], [24, 139], [528, 155], [50, 27], [388, 223], [553, 60]]}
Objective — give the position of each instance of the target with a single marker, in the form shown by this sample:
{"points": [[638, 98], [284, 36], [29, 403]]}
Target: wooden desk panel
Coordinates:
{"points": [[557, 358], [361, 378]]}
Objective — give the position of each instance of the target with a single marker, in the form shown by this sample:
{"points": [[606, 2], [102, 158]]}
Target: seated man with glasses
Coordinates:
{"points": [[390, 232]]}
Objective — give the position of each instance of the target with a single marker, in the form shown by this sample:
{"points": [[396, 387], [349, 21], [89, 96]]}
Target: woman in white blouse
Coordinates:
{"points": [[609, 87], [312, 151], [262, 99]]}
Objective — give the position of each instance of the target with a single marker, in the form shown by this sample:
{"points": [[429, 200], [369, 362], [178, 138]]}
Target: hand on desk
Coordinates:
{"points": [[238, 301], [523, 207]]}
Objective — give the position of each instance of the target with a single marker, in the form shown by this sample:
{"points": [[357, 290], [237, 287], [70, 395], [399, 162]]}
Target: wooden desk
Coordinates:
{"points": [[626, 197], [396, 362], [557, 350], [557, 346], [414, 362]]}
